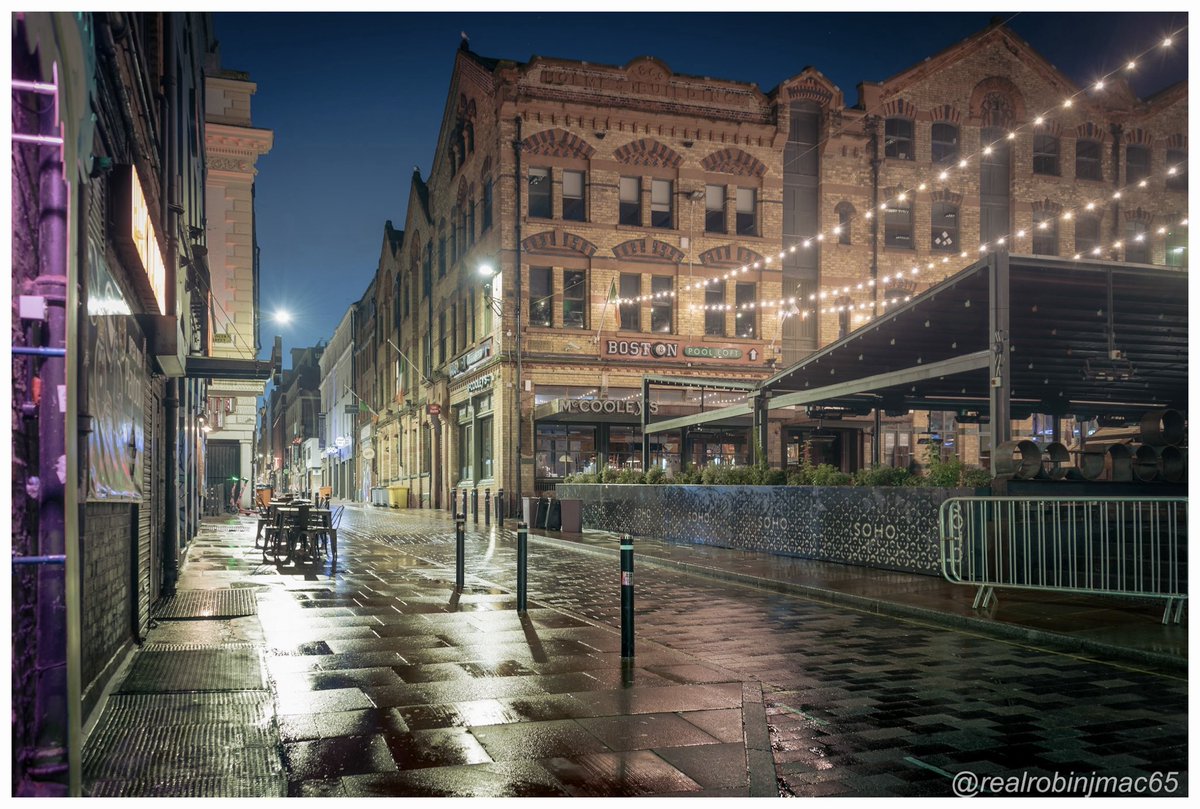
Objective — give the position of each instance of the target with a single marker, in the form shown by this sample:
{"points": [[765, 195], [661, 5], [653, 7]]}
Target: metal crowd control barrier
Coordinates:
{"points": [[1122, 546]]}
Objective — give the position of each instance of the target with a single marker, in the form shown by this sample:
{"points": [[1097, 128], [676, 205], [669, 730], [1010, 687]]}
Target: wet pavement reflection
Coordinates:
{"points": [[384, 683]]}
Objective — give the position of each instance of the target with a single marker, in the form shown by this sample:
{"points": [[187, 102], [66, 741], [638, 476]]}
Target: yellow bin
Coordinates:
{"points": [[398, 496]]}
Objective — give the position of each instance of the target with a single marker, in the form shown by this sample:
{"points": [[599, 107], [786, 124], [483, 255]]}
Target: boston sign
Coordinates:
{"points": [[664, 350]]}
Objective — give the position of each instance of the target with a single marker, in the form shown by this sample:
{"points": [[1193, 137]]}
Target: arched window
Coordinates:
{"points": [[1137, 241], [898, 139], [1045, 231], [944, 232], [944, 142], [845, 215], [1087, 160], [898, 225], [1045, 155], [1087, 235], [1137, 163]]}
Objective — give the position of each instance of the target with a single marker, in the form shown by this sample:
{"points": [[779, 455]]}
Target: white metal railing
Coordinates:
{"points": [[1125, 546]]}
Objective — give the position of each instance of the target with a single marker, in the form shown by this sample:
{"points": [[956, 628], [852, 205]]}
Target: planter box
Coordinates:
{"points": [[894, 528]]}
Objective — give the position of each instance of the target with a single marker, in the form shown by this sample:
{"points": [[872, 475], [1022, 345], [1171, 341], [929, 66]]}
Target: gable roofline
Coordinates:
{"points": [[947, 56]]}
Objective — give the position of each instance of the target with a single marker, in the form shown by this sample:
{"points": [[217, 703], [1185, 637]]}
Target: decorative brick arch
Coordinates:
{"points": [[946, 195], [899, 108], [1046, 206], [1052, 128], [1177, 141], [1139, 137], [648, 152], [1139, 215], [1091, 131], [648, 250], [945, 114], [558, 242], [558, 143], [734, 161], [997, 86], [728, 255]]}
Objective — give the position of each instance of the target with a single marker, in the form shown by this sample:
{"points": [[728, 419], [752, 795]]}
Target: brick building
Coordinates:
{"points": [[694, 227]]}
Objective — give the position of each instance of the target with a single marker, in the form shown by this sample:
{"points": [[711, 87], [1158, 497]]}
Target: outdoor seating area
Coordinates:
{"points": [[296, 529]]}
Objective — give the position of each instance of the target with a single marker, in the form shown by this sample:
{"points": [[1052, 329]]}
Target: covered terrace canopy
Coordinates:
{"points": [[1003, 338]]}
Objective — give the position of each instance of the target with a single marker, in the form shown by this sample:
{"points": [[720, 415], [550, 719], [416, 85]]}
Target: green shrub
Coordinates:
{"points": [[799, 477], [709, 475], [882, 476], [828, 475], [655, 475], [775, 477], [976, 478], [630, 476]]}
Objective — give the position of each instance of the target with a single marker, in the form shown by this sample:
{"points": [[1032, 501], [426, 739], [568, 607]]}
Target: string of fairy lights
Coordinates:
{"points": [[943, 173]]}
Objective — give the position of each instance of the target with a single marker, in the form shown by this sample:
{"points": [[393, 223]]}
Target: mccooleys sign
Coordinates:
{"points": [[631, 407]]}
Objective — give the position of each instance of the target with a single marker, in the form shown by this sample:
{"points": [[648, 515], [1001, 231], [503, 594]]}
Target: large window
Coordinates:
{"points": [[1137, 163], [944, 147], [747, 212], [631, 201], [486, 454], [442, 256], [1137, 242], [747, 310], [1087, 160], [564, 449], [944, 233], [574, 299], [1087, 234], [660, 203], [539, 193], [1045, 233], [898, 224], [1045, 155], [662, 306], [487, 206], [465, 470], [1177, 164], [898, 138], [845, 215], [714, 313], [714, 208], [631, 311], [441, 338], [541, 295], [573, 203]]}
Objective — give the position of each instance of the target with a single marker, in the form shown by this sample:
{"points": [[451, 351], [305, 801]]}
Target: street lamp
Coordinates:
{"points": [[487, 271]]}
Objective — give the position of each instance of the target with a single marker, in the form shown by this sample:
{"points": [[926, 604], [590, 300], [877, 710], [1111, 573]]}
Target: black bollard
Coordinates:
{"points": [[460, 550], [522, 565], [487, 506], [474, 505], [500, 506], [454, 502], [626, 596]]}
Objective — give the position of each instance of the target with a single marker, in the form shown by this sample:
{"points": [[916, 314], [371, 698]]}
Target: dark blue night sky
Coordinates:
{"points": [[355, 100]]}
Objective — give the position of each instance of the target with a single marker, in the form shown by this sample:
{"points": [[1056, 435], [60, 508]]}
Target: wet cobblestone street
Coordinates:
{"points": [[385, 683]]}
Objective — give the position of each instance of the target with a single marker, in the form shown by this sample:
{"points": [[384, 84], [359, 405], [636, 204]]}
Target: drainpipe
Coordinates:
{"points": [[873, 126], [1116, 131], [877, 438], [50, 768], [517, 329]]}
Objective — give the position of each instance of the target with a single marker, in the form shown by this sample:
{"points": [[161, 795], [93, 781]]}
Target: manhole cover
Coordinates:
{"points": [[168, 667], [223, 603]]}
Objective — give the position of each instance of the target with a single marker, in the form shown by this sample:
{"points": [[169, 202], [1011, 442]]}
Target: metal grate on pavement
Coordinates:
{"points": [[222, 603], [184, 667]]}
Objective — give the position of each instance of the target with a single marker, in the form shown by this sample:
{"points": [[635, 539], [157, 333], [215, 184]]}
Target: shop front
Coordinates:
{"points": [[581, 430], [474, 436]]}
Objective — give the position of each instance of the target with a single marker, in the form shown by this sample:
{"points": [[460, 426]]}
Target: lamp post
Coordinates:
{"points": [[487, 271]]}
